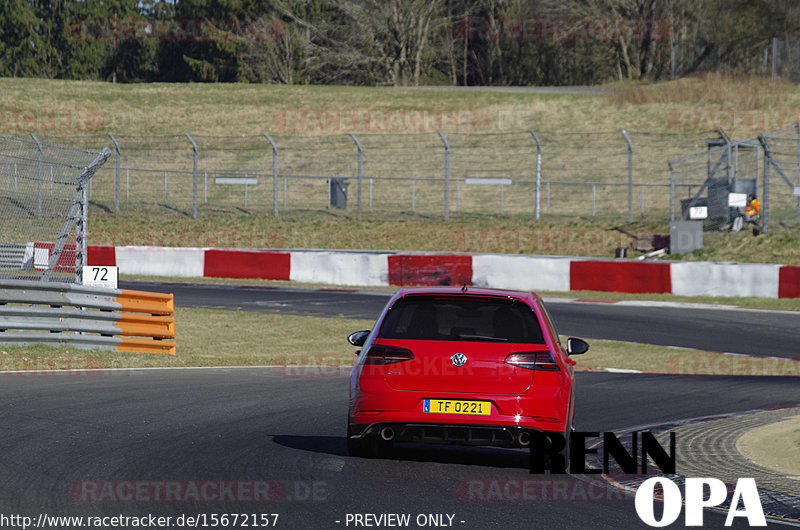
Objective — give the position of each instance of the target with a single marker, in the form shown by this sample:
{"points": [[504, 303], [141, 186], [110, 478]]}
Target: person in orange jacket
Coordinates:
{"points": [[752, 212]]}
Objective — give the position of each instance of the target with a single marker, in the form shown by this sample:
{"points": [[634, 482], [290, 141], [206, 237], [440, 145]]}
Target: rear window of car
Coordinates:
{"points": [[462, 319]]}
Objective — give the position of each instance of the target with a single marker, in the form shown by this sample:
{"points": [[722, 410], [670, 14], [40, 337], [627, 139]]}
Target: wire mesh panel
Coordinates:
{"points": [[402, 173], [786, 58], [43, 191], [493, 173], [783, 169]]}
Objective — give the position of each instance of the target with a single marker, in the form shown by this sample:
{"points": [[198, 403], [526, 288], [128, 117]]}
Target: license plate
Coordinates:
{"points": [[452, 406]]}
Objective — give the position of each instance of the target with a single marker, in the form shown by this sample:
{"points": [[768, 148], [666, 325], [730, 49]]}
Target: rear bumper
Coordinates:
{"points": [[445, 433]]}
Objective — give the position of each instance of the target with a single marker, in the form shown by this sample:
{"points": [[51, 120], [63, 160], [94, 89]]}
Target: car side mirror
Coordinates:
{"points": [[358, 338], [576, 346]]}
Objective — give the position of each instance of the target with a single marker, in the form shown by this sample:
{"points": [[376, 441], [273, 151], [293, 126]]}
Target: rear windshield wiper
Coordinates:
{"points": [[481, 337]]}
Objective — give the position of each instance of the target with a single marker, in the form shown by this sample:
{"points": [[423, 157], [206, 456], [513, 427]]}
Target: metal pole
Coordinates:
{"points": [[116, 187], [774, 53], [458, 195], [672, 61], [358, 185], [413, 195], [671, 192], [39, 184], [194, 176], [797, 126], [538, 173], [630, 175], [446, 175], [274, 176], [82, 234], [765, 202]]}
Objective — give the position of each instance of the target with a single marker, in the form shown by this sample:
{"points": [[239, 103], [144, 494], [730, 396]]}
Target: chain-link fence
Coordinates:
{"points": [[784, 59], [616, 175], [43, 207], [715, 185]]}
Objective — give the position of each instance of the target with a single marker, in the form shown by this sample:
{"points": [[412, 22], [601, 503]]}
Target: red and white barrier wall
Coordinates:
{"points": [[508, 271]]}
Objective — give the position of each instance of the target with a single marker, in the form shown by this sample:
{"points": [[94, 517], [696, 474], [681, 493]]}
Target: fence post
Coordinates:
{"points": [[446, 175], [116, 187], [630, 176], [728, 154], [797, 126], [767, 161], [39, 185], [358, 185], [672, 61], [671, 192], [274, 175], [538, 173], [194, 176], [774, 53]]}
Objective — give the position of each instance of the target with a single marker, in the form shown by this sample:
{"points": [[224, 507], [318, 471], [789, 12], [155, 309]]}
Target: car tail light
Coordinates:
{"points": [[380, 354], [534, 360]]}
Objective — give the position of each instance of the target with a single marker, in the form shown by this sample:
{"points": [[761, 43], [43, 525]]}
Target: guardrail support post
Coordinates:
{"points": [[446, 175], [274, 175], [194, 176]]}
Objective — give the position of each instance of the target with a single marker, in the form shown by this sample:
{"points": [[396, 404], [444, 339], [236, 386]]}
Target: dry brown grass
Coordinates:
{"points": [[724, 90]]}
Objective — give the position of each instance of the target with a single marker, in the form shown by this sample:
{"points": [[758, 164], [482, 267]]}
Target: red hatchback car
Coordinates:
{"points": [[469, 366]]}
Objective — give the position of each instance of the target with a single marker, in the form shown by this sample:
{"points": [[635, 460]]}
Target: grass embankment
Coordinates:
{"points": [[209, 337], [742, 106], [244, 109], [490, 234]]}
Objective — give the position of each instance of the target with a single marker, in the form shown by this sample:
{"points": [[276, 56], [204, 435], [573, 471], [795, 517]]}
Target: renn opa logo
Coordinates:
{"points": [[549, 448]]}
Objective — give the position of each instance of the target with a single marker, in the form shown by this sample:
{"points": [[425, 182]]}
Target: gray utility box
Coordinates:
{"points": [[685, 236], [338, 193]]}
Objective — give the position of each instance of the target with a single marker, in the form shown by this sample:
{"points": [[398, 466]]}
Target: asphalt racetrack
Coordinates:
{"points": [[189, 442]]}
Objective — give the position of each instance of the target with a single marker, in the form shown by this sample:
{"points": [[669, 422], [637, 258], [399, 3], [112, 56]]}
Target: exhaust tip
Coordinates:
{"points": [[524, 439], [387, 433]]}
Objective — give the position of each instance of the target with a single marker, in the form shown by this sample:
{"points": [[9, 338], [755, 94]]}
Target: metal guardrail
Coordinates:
{"points": [[86, 317], [12, 256]]}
